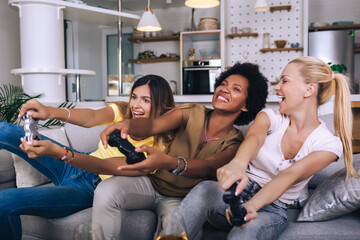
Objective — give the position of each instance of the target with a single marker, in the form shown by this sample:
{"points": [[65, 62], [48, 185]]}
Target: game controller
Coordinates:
{"points": [[238, 212], [31, 128], [125, 147]]}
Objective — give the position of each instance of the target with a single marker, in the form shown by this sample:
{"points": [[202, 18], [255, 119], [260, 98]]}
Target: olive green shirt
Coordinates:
{"points": [[185, 143]]}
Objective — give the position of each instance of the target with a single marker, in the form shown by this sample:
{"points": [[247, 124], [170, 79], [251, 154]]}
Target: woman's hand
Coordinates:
{"points": [[231, 173], [35, 148], [123, 126], [155, 160], [251, 214], [35, 110]]}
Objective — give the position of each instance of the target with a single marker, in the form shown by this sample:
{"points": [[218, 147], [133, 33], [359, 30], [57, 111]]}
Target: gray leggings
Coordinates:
{"points": [[120, 193]]}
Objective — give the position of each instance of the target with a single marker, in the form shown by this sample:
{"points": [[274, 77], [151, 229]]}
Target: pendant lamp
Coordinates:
{"points": [[261, 5], [148, 21], [202, 3]]}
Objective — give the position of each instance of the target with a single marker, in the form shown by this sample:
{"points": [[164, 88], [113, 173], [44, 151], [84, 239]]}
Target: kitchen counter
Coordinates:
{"points": [[207, 98], [189, 98]]}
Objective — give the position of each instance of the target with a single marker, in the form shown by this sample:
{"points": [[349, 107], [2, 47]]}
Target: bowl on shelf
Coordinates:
{"points": [[246, 30], [280, 43], [209, 53]]}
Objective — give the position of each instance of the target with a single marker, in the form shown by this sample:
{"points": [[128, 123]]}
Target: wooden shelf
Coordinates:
{"points": [[279, 8], [155, 60], [200, 59], [155, 39], [335, 27], [234, 35], [263, 50]]}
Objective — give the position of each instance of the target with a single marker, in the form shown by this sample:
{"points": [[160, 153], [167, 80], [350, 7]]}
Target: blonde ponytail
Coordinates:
{"points": [[314, 70], [343, 119]]}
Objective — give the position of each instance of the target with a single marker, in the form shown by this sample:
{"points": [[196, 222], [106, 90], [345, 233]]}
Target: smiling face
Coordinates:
{"points": [[291, 89], [231, 94], [140, 102]]}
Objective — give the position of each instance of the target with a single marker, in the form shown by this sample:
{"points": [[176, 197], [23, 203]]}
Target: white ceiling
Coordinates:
{"points": [[136, 5]]}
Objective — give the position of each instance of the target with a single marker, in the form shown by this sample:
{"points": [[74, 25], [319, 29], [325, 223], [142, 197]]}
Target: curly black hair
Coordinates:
{"points": [[257, 89]]}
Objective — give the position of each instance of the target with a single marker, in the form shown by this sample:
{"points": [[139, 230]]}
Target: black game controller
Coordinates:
{"points": [[238, 212], [31, 128], [125, 147]]}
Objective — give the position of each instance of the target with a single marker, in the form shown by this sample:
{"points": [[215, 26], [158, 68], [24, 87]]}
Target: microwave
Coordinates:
{"points": [[199, 77]]}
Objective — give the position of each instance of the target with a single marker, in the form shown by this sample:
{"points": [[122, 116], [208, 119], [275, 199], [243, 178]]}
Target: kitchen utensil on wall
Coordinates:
{"points": [[233, 30], [280, 43], [266, 40]]}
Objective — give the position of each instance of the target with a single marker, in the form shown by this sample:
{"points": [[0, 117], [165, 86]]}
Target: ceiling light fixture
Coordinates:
{"points": [[148, 21], [261, 5], [202, 3]]}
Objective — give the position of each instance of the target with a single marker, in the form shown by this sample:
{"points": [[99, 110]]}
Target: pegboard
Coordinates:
{"points": [[282, 25]]}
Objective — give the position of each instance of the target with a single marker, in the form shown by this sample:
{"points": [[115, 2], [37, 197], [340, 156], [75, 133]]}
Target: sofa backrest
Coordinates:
{"points": [[83, 139]]}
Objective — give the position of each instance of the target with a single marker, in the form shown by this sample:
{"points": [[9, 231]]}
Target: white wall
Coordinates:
{"points": [[334, 10], [9, 43]]}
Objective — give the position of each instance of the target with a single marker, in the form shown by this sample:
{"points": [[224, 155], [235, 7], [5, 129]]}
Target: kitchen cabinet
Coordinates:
{"points": [[200, 40], [200, 61], [141, 40]]}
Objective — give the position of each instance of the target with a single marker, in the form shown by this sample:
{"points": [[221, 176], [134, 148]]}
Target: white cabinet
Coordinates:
{"points": [[42, 43]]}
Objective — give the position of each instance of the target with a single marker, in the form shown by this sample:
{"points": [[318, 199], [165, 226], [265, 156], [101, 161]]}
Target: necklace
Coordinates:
{"points": [[205, 131]]}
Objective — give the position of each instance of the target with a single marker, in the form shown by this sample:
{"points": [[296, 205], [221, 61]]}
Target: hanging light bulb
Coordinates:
{"points": [[202, 3], [148, 21], [261, 5]]}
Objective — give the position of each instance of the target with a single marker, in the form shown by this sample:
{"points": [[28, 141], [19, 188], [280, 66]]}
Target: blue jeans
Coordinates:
{"points": [[73, 190], [206, 199]]}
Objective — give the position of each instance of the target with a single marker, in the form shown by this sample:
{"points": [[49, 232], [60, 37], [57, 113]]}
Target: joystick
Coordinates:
{"points": [[125, 147], [238, 212], [31, 128]]}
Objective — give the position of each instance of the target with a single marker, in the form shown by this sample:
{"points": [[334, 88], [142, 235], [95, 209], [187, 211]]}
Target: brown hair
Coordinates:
{"points": [[314, 70]]}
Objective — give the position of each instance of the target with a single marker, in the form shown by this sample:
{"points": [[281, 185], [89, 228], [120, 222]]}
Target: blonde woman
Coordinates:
{"points": [[282, 150]]}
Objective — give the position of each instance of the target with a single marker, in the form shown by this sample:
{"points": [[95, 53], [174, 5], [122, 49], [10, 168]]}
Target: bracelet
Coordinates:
{"points": [[72, 157], [178, 171], [63, 122], [185, 166], [64, 157]]}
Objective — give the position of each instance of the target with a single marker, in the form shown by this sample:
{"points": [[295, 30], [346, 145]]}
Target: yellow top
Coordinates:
{"points": [[109, 152]]}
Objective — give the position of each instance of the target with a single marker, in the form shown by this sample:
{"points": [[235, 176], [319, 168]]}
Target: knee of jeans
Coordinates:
{"points": [[5, 130], [206, 187], [105, 195], [5, 203]]}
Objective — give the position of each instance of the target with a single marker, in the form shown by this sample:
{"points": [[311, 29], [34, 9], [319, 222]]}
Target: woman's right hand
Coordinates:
{"points": [[123, 126], [35, 110], [39, 148], [231, 173]]}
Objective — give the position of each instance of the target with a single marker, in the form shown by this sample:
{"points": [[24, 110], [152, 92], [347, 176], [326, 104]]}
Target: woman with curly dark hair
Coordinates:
{"points": [[203, 140]]}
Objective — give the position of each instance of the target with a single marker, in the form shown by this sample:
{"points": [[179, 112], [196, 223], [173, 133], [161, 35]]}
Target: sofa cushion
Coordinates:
{"points": [[7, 170], [334, 197], [26, 175], [139, 225], [83, 139], [346, 227]]}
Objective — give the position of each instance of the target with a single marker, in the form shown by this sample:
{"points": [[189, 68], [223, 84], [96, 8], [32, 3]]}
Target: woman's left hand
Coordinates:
{"points": [[35, 148], [155, 160], [251, 215]]}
